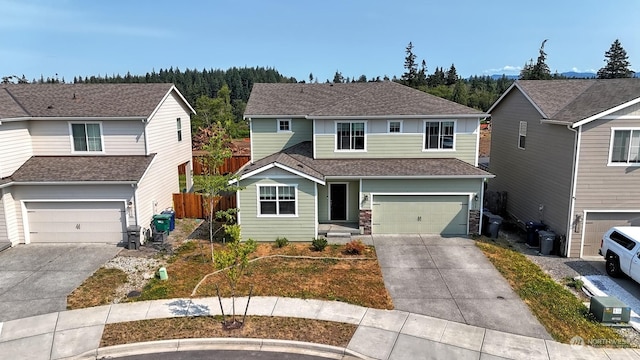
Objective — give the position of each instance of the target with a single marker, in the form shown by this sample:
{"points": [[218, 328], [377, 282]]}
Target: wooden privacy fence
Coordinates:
{"points": [[230, 165], [196, 206]]}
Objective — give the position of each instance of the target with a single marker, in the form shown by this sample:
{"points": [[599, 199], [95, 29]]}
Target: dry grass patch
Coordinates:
{"points": [[354, 281], [98, 289], [316, 331], [560, 312]]}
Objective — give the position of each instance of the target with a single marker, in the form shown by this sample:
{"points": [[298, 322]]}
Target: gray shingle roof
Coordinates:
{"points": [[575, 100], [80, 100], [351, 99], [82, 168], [300, 157]]}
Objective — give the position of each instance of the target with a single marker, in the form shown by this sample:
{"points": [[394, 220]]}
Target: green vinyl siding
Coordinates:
{"points": [[298, 228], [421, 186], [353, 211], [266, 140], [397, 146]]}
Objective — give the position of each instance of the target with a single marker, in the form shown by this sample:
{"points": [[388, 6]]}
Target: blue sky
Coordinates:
{"points": [[298, 37]]}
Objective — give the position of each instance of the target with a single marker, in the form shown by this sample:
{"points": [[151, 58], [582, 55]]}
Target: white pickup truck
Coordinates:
{"points": [[621, 248]]}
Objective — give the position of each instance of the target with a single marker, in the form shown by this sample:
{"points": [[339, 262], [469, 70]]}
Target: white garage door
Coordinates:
{"points": [[102, 222], [428, 214], [598, 223]]}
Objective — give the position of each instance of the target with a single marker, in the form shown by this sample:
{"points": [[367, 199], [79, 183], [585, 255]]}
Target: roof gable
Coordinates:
{"points": [[82, 100], [350, 99]]}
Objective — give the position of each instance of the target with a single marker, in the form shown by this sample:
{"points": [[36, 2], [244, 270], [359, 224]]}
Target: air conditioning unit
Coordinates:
{"points": [[608, 309]]}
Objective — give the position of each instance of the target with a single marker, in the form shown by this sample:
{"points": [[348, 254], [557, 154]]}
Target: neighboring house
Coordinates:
{"points": [[80, 163], [370, 158], [567, 153]]}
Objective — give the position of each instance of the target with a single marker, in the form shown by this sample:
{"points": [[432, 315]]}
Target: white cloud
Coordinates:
{"points": [[578, 70], [507, 69]]}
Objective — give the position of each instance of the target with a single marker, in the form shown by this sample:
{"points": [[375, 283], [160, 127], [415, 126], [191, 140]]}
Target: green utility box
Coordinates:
{"points": [[162, 222], [608, 309]]}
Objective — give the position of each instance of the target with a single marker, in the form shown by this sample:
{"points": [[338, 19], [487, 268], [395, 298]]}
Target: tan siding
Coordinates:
{"points": [[539, 175], [161, 180], [300, 228], [15, 146], [265, 140], [424, 186], [602, 187], [4, 237], [120, 137]]}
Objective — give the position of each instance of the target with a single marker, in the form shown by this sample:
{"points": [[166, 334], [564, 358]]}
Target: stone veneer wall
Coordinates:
{"points": [[474, 222], [365, 221]]}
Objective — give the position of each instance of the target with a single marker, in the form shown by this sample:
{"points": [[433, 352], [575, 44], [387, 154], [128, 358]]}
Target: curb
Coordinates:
{"points": [[213, 344]]}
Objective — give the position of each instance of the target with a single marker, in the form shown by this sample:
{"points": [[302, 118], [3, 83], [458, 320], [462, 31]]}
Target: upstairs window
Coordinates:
{"points": [[277, 200], [86, 137], [394, 127], [522, 134], [350, 135], [284, 125], [179, 126], [625, 146], [439, 135]]}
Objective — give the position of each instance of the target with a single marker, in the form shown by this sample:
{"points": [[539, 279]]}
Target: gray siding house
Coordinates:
{"points": [[80, 163], [367, 158], [567, 154]]}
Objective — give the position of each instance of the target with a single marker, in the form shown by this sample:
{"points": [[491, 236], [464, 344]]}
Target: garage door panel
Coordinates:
{"points": [[76, 222], [597, 224], [433, 214]]}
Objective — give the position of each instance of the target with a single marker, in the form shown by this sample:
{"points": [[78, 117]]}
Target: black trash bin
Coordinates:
{"points": [[532, 232], [486, 214], [172, 221], [133, 235], [495, 221]]}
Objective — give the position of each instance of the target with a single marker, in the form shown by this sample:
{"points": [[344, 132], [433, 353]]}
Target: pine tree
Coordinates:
{"points": [[617, 63], [452, 76], [538, 71], [338, 78], [411, 74]]}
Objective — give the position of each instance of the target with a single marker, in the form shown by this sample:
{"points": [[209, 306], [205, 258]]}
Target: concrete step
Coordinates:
{"points": [[4, 245]]}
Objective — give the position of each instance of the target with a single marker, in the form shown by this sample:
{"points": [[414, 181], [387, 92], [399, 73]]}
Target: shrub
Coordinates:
{"points": [[319, 244], [354, 247], [281, 241]]}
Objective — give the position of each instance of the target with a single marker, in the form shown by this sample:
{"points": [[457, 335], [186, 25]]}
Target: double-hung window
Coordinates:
{"points": [[522, 134], [87, 137], [439, 135], [275, 200], [625, 146], [179, 128], [350, 135]]}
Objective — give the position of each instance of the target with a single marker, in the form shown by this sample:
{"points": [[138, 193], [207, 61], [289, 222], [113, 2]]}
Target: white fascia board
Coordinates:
{"points": [[283, 167], [556, 122], [164, 98], [281, 116], [373, 117], [606, 112], [86, 118], [147, 169], [516, 85], [398, 177], [40, 183], [24, 118]]}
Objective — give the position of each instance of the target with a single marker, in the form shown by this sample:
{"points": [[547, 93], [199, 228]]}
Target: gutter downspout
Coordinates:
{"points": [[144, 133], [574, 179]]}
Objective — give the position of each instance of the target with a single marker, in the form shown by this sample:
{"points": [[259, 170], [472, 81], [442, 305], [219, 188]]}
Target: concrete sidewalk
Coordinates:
{"points": [[381, 334]]}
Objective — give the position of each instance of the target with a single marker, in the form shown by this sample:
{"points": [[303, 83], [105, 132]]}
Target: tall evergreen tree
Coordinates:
{"points": [[411, 68], [460, 93], [538, 71], [452, 76], [617, 63], [338, 78]]}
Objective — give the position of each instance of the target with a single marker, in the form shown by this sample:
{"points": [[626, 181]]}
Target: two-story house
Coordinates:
{"points": [[566, 152], [379, 158], [80, 163]]}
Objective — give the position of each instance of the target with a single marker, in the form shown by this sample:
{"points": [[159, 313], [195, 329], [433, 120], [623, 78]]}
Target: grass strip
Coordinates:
{"points": [[558, 310]]}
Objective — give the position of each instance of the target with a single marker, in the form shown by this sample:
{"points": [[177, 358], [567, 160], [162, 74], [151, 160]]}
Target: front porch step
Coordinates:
{"points": [[4, 245], [342, 234]]}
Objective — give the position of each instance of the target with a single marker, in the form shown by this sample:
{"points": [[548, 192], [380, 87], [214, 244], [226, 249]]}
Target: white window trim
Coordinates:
{"points": [[613, 130], [258, 214], [522, 133], [389, 127], [73, 150], [335, 135], [179, 129], [278, 125], [424, 135]]}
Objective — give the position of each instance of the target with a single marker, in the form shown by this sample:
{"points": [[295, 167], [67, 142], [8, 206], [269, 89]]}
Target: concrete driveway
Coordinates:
{"points": [[36, 278], [450, 278]]}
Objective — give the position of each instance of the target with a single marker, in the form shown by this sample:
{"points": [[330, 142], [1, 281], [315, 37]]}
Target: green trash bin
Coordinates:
{"points": [[162, 222]]}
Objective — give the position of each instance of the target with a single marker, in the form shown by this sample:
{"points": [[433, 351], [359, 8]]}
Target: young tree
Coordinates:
{"points": [[617, 63], [234, 258], [538, 71]]}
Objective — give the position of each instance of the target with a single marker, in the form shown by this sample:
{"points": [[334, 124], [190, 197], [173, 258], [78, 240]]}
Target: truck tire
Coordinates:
{"points": [[613, 266]]}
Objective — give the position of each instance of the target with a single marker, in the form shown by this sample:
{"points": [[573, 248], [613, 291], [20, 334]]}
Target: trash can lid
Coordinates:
{"points": [[162, 216], [133, 228]]}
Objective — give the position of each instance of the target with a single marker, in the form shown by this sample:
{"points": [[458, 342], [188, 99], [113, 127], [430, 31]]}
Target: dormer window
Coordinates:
{"points": [[284, 125], [86, 137]]}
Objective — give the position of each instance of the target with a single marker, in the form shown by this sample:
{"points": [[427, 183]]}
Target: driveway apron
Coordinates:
{"points": [[36, 278], [450, 278]]}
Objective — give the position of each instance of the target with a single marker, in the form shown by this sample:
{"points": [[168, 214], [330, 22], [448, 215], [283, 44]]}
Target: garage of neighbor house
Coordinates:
{"points": [[420, 214], [597, 223]]}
